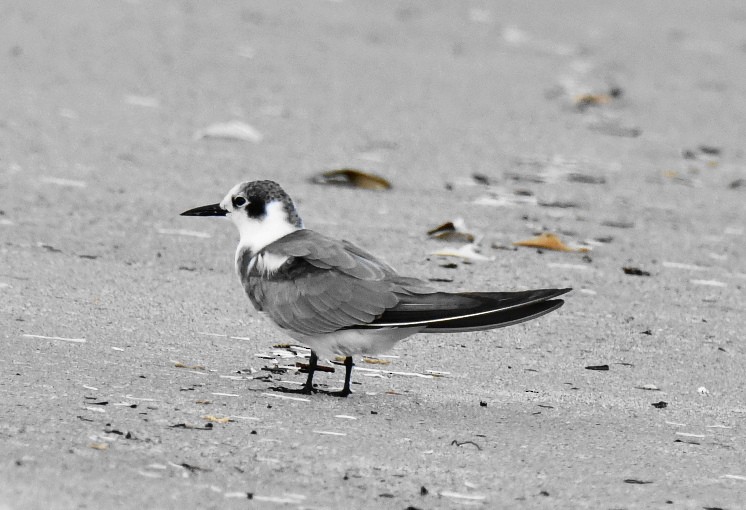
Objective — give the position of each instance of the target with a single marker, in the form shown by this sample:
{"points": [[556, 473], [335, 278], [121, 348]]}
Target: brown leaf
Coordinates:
{"points": [[352, 178], [585, 100], [635, 271], [548, 242]]}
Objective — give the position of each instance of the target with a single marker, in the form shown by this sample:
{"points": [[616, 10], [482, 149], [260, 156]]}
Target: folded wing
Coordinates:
{"points": [[327, 285]]}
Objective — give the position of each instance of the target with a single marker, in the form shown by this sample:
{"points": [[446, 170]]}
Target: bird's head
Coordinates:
{"points": [[261, 210]]}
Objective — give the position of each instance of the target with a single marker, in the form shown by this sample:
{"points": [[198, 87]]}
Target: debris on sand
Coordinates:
{"points": [[452, 231], [60, 338], [635, 271], [232, 130], [352, 178]]}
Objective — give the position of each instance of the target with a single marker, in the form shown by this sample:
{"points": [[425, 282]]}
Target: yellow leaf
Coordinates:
{"points": [[547, 241], [99, 446]]}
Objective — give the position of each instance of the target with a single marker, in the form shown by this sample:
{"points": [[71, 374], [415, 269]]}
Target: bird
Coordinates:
{"points": [[340, 300]]}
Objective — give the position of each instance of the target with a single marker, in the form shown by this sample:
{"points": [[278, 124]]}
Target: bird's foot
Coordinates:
{"points": [[345, 392], [305, 390], [340, 393]]}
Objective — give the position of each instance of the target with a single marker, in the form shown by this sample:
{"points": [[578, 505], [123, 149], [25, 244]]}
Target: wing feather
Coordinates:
{"points": [[325, 285]]}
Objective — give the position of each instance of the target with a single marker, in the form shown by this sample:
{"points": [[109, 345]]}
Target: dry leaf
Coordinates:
{"points": [[202, 402], [376, 361], [582, 101], [548, 241], [352, 178], [452, 231], [216, 419], [233, 130], [99, 446]]}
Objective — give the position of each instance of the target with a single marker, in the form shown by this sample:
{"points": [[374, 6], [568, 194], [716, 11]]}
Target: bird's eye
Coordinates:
{"points": [[239, 201]]}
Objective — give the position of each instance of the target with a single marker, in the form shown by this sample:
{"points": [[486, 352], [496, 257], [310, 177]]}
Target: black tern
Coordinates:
{"points": [[338, 299]]}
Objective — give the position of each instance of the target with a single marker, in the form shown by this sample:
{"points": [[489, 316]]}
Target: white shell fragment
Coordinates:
{"points": [[232, 130], [679, 265], [709, 283], [328, 433], [734, 477], [63, 339], [467, 252], [460, 495], [286, 397]]}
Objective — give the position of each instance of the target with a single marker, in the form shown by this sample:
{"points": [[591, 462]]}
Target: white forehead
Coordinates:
{"points": [[226, 203]]}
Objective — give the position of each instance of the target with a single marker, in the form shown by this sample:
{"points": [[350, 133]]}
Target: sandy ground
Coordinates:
{"points": [[99, 105]]}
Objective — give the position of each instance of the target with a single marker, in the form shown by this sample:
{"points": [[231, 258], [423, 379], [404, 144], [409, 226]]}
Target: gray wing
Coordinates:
{"points": [[326, 285]]}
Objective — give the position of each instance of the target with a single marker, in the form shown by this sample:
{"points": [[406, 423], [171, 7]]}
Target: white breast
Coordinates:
{"points": [[268, 263]]}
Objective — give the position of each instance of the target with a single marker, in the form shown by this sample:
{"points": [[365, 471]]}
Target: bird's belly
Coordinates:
{"points": [[352, 342]]}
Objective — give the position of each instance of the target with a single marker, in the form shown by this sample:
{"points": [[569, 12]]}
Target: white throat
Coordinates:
{"points": [[258, 233]]}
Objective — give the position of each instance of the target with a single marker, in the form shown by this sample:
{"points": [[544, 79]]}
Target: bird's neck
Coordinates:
{"points": [[250, 246]]}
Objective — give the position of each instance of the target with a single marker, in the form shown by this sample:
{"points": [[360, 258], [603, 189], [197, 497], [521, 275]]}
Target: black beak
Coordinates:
{"points": [[206, 210]]}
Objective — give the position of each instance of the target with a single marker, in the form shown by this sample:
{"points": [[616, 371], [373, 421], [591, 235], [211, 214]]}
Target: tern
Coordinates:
{"points": [[338, 299]]}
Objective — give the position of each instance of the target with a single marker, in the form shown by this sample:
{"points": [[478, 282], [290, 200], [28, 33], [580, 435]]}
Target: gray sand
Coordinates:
{"points": [[99, 104]]}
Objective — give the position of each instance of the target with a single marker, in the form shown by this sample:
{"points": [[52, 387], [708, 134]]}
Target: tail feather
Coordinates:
{"points": [[495, 320], [442, 312]]}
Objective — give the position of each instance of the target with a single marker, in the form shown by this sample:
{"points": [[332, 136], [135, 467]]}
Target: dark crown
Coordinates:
{"points": [[270, 191]]}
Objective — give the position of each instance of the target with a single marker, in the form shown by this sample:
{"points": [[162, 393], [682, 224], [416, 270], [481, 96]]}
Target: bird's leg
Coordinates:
{"points": [[307, 388], [312, 362], [348, 373]]}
